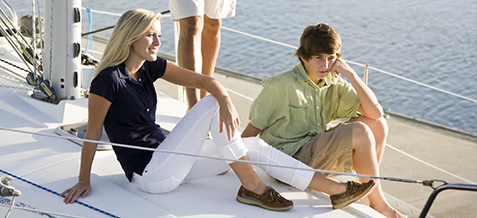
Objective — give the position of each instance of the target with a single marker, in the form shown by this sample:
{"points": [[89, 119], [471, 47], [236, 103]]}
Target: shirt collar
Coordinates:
{"points": [[124, 73], [302, 76]]}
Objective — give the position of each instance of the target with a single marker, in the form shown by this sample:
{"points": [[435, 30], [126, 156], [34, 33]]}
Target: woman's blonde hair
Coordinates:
{"points": [[130, 26]]}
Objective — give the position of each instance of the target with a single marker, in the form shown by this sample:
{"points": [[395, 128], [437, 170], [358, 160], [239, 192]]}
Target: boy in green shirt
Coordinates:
{"points": [[294, 108]]}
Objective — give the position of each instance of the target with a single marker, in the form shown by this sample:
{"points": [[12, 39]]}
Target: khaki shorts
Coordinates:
{"points": [[215, 9], [331, 150]]}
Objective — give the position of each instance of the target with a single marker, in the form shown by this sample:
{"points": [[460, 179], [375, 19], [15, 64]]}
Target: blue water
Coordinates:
{"points": [[432, 42]]}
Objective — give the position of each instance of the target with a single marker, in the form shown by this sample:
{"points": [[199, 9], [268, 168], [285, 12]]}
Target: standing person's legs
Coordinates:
{"points": [[210, 46], [215, 11], [190, 15], [188, 50], [199, 39]]}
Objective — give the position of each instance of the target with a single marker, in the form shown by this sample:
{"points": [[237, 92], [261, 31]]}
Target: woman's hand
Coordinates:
{"points": [[82, 189], [97, 110], [229, 119]]}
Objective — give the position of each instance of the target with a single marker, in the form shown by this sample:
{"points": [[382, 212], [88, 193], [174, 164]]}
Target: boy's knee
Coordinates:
{"points": [[362, 133], [379, 127]]}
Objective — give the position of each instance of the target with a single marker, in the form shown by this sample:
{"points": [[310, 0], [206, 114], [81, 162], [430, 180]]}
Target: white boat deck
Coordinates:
{"points": [[47, 166], [417, 151]]}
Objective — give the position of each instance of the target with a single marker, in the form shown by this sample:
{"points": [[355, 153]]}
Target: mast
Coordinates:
{"points": [[62, 59]]}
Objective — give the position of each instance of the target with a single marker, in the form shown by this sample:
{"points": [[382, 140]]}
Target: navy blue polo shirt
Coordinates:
{"points": [[132, 114]]}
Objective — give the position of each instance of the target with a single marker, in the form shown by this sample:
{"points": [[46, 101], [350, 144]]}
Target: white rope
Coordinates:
{"points": [[40, 211], [11, 207], [211, 157]]}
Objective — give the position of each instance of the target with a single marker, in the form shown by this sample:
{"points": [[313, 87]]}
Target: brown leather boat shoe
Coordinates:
{"points": [[354, 192], [270, 199]]}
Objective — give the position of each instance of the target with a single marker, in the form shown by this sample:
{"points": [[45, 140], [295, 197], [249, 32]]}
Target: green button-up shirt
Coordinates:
{"points": [[291, 109]]}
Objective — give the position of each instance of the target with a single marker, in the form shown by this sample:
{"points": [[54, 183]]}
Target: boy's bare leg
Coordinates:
{"points": [[380, 131], [365, 162]]}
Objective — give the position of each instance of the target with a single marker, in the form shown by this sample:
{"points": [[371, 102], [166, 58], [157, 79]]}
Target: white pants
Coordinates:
{"points": [[165, 172], [260, 151]]}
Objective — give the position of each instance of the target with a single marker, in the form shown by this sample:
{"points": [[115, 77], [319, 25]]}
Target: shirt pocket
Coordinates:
{"points": [[298, 120]]}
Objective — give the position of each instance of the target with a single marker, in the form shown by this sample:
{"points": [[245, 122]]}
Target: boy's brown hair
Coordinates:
{"points": [[318, 39]]}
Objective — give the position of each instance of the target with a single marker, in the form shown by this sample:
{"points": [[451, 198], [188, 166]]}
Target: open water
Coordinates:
{"points": [[432, 42]]}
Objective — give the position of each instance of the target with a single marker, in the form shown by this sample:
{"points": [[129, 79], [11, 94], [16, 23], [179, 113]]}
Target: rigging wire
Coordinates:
{"points": [[358, 64], [423, 182]]}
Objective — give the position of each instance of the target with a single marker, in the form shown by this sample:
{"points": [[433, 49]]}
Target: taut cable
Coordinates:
{"points": [[424, 182]]}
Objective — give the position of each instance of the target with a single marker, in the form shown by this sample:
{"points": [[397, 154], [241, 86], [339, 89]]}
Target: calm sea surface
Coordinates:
{"points": [[432, 42]]}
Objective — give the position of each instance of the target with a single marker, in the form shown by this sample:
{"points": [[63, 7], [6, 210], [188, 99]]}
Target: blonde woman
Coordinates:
{"points": [[123, 100]]}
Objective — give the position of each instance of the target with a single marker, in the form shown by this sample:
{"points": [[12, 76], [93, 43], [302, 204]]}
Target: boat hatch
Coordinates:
{"points": [[79, 130]]}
